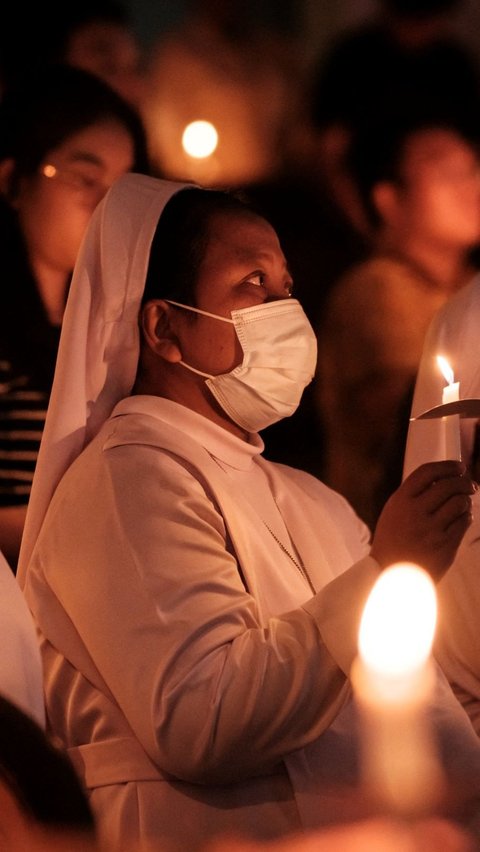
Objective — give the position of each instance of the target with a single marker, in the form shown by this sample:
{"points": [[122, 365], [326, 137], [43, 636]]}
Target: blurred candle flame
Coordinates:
{"points": [[394, 681], [398, 622], [200, 139]]}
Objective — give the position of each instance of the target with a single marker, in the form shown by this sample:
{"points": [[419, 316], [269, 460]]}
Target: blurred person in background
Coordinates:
{"points": [[65, 136], [419, 182], [407, 56], [453, 333], [95, 35]]}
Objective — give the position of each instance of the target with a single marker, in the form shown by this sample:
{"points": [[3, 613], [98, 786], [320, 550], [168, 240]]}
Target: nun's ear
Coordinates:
{"points": [[155, 323]]}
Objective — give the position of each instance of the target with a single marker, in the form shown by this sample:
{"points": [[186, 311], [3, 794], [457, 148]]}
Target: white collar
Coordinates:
{"points": [[221, 444]]}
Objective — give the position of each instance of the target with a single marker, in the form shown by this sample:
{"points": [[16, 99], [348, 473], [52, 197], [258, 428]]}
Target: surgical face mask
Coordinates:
{"points": [[279, 358]]}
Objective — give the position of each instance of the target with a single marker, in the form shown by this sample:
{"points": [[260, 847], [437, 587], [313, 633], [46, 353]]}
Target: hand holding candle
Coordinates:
{"points": [[451, 424], [393, 679], [426, 518]]}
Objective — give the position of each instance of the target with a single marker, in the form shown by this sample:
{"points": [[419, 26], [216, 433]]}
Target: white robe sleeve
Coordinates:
{"points": [[20, 663]]}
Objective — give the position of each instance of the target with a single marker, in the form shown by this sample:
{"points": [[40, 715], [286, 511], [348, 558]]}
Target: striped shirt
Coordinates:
{"points": [[28, 350], [22, 416]]}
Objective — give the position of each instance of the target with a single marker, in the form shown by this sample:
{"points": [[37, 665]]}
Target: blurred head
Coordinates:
{"points": [[64, 138], [96, 35], [99, 37], [421, 177]]}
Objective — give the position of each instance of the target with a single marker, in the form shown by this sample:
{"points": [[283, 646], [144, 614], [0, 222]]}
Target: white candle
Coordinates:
{"points": [[393, 680], [450, 425]]}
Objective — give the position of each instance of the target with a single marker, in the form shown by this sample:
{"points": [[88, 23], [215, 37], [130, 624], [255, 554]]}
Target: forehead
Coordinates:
{"points": [[241, 238], [101, 142], [429, 147]]}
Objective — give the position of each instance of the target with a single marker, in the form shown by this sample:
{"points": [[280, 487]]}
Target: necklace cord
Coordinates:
{"points": [[300, 567]]}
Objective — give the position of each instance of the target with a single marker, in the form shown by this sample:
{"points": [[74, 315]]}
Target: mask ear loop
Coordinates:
{"points": [[198, 311], [206, 314], [194, 370]]}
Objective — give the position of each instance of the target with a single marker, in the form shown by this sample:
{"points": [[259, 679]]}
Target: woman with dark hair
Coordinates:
{"points": [[65, 136]]}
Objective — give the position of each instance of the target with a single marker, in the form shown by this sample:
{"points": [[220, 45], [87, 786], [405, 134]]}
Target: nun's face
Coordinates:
{"points": [[243, 266]]}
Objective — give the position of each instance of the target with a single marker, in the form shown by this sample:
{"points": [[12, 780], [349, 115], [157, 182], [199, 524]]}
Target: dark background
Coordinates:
{"points": [[316, 21]]}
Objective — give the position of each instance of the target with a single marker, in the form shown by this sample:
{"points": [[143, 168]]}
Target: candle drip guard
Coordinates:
{"points": [[464, 408]]}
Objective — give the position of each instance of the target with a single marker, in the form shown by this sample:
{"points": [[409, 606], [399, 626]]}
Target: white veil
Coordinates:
{"points": [[99, 344]]}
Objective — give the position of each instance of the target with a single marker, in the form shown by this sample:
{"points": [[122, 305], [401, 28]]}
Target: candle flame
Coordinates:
{"points": [[200, 139], [398, 623], [445, 368]]}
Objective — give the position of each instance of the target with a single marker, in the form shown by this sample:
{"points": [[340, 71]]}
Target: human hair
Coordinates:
{"points": [[377, 149], [37, 115], [181, 239]]}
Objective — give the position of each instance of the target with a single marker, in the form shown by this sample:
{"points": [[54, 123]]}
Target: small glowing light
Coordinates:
{"points": [[445, 368], [398, 622], [49, 171], [200, 139]]}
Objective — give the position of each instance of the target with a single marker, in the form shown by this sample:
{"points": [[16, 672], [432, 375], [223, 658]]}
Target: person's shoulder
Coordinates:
{"points": [[386, 273], [327, 501], [364, 280], [135, 427], [311, 485], [134, 438], [468, 295]]}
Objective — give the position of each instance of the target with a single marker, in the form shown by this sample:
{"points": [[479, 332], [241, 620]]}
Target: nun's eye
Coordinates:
{"points": [[257, 278]]}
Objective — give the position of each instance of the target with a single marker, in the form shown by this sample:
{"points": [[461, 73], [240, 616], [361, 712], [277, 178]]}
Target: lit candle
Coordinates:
{"points": [[393, 680], [451, 424]]}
